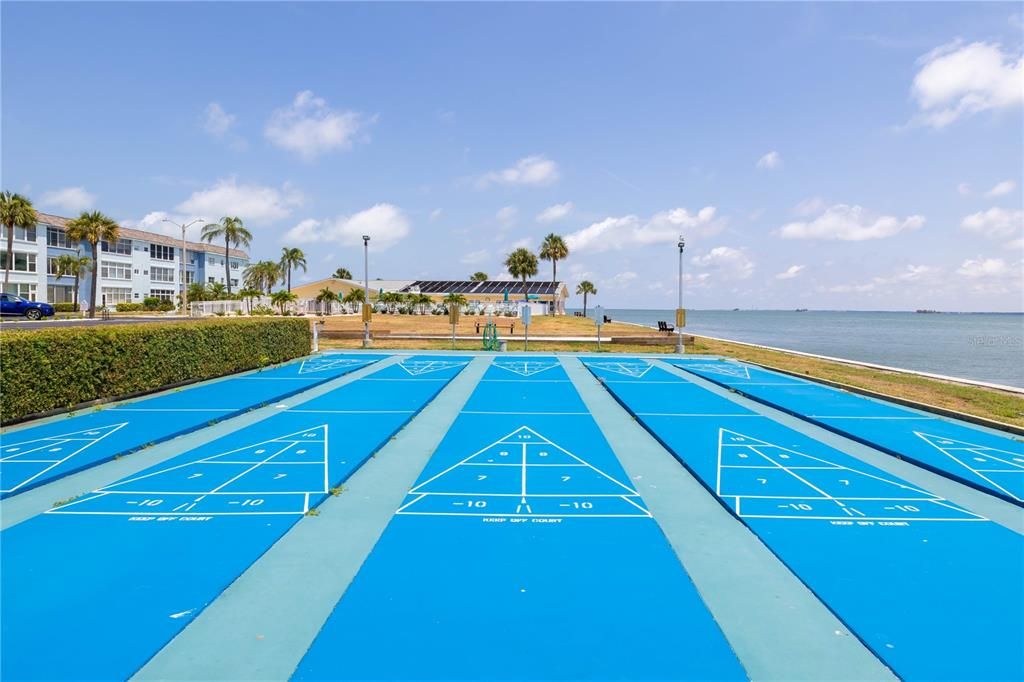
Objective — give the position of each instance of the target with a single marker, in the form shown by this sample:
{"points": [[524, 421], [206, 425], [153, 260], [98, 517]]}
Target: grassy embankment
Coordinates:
{"points": [[987, 403]]}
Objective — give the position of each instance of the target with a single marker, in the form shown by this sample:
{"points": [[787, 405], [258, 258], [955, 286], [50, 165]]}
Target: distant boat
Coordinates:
{"points": [[735, 310], [927, 311], [801, 310]]}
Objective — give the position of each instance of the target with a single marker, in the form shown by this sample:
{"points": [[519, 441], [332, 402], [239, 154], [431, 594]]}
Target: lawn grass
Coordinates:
{"points": [[434, 325], [1000, 406]]}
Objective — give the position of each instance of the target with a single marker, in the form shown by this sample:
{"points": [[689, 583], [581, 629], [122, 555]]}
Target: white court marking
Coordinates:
{"points": [[52, 450], [526, 453], [629, 369], [526, 368], [895, 501], [726, 369], [417, 367], [324, 364], [243, 497], [985, 462]]}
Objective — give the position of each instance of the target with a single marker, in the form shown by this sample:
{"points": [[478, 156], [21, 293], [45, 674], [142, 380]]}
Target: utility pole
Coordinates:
{"points": [[184, 288], [680, 313], [366, 291]]}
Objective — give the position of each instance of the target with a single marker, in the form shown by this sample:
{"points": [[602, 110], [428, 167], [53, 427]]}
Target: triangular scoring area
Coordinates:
{"points": [[418, 367], [765, 480], [523, 474], [1003, 469], [629, 369], [25, 461], [324, 364], [721, 368], [526, 368], [283, 475]]}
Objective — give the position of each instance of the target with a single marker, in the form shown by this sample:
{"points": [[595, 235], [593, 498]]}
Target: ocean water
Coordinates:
{"points": [[980, 346]]}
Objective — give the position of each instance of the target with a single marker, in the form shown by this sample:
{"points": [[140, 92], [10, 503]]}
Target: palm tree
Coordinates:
{"points": [[262, 275], [353, 297], [93, 227], [282, 298], [421, 301], [455, 300], [215, 291], [15, 211], [292, 258], [231, 230], [247, 294], [478, 277], [342, 273], [554, 249], [328, 297], [521, 263], [72, 266], [196, 292], [585, 287]]}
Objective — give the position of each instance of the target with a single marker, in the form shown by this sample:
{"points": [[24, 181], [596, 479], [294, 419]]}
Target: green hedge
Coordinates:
{"points": [[65, 308], [48, 369]]}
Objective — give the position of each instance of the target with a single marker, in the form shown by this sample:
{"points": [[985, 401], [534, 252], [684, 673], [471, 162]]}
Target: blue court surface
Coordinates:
{"points": [[522, 552], [988, 462], [33, 456], [933, 589], [94, 588]]}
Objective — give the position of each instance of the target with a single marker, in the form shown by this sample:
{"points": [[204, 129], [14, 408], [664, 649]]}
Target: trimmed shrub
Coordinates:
{"points": [[128, 307], [150, 302], [48, 369], [65, 308]]}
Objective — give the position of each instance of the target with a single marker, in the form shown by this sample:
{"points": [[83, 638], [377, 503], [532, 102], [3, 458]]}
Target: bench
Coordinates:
{"points": [[664, 326], [511, 327]]}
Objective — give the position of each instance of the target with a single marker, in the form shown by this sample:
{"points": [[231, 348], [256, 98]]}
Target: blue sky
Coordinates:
{"points": [[850, 156]]}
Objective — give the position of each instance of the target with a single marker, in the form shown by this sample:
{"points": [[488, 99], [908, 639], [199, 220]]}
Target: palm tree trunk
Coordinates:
{"points": [[74, 293], [554, 278], [289, 278], [227, 263], [584, 304], [10, 253], [526, 294], [95, 278]]}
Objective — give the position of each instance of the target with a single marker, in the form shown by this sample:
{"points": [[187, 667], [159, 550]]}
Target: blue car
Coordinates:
{"points": [[16, 305]]}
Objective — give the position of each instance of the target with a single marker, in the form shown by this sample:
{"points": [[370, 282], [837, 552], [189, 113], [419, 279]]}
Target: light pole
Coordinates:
{"points": [[680, 315], [366, 291], [183, 226]]}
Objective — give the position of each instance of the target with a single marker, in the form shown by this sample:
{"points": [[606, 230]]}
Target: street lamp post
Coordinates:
{"points": [[680, 315], [366, 291], [184, 289]]}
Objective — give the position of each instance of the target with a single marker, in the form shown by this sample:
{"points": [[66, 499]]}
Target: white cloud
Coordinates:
{"points": [[958, 80], [506, 215], [70, 199], [964, 189], [556, 212], [810, 206], [310, 128], [619, 281], [791, 272], [251, 203], [630, 230], [154, 222], [849, 223], [530, 171], [770, 161], [910, 274], [1001, 188], [435, 214], [476, 257], [728, 262], [984, 268], [216, 121], [997, 223], [385, 224]]}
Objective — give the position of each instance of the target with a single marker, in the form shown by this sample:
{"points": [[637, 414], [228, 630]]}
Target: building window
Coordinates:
{"points": [[113, 270], [234, 265], [23, 262], [161, 252], [21, 234], [234, 282], [24, 290], [123, 247], [189, 276], [115, 295], [51, 266], [58, 238], [60, 294], [161, 274], [162, 294], [211, 280]]}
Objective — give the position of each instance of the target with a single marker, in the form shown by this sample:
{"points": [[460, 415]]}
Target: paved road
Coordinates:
{"points": [[19, 323]]}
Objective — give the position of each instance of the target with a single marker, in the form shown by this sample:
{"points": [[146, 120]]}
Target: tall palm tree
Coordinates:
{"points": [[262, 275], [521, 263], [247, 294], [455, 299], [215, 291], [354, 297], [15, 211], [72, 266], [326, 296], [93, 227], [282, 298], [585, 287], [233, 232], [554, 249], [342, 273], [292, 258], [478, 277]]}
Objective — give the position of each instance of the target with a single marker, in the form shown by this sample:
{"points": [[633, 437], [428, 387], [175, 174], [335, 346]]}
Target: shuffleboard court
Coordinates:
{"points": [[930, 587], [515, 556], [137, 560], [37, 455], [979, 458]]}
